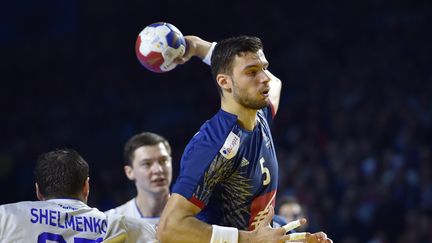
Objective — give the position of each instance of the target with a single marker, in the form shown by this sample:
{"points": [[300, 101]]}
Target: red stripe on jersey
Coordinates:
{"points": [[259, 208], [197, 202]]}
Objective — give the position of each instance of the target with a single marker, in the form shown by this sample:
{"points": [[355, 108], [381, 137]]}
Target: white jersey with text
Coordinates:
{"points": [[67, 220], [130, 209]]}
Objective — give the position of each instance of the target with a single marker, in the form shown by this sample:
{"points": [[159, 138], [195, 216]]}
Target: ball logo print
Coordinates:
{"points": [[158, 45]]}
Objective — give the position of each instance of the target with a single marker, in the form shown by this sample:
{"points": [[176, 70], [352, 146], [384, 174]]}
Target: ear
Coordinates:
{"points": [[224, 81], [129, 172], [38, 193], [86, 189]]}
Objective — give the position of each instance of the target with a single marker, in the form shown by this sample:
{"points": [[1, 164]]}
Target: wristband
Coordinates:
{"points": [[207, 58], [222, 234]]}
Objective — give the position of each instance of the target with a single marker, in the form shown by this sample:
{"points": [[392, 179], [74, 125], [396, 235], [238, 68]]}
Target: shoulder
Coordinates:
{"points": [[213, 132], [136, 230], [21, 206], [123, 209], [212, 137]]}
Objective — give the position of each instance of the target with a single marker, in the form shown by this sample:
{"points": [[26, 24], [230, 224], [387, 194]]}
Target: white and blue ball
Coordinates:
{"points": [[158, 45]]}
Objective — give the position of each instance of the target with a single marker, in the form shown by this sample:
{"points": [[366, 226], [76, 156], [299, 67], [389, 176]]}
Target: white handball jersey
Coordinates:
{"points": [[67, 221], [131, 209]]}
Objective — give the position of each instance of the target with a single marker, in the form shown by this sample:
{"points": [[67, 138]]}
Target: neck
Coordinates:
{"points": [[246, 117], [151, 205]]}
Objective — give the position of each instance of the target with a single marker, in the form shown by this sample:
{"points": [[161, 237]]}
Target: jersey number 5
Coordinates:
{"points": [[266, 171]]}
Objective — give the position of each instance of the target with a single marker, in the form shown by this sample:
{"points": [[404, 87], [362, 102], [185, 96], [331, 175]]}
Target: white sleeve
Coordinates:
{"points": [[109, 212], [134, 230], [207, 58]]}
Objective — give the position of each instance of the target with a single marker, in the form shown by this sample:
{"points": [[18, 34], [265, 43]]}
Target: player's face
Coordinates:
{"points": [[151, 169], [250, 82]]}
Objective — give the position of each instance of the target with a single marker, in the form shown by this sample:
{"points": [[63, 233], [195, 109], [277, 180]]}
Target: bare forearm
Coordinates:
{"points": [[186, 229], [202, 48]]}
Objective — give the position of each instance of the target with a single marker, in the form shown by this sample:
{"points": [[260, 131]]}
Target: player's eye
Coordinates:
{"points": [[251, 72], [164, 160], [146, 164]]}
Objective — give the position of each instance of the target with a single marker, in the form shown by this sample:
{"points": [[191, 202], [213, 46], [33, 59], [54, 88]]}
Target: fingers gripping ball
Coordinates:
{"points": [[158, 45]]}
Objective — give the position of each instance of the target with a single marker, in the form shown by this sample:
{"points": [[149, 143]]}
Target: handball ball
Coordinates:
{"points": [[158, 45]]}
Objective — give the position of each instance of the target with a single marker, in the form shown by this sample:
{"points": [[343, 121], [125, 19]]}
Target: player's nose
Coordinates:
{"points": [[157, 168], [264, 77]]}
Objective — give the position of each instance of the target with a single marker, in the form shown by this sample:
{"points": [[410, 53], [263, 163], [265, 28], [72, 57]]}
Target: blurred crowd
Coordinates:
{"points": [[353, 133]]}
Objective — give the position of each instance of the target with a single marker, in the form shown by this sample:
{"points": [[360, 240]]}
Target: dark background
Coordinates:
{"points": [[353, 132]]}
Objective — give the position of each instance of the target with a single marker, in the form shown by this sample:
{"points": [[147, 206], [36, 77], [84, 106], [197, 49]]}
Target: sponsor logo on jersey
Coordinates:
{"points": [[231, 146], [244, 162]]}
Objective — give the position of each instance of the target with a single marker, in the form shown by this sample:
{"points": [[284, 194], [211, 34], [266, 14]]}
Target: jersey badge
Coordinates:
{"points": [[231, 146]]}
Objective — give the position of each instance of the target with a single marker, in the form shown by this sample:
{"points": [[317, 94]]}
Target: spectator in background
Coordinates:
{"points": [[288, 208]]}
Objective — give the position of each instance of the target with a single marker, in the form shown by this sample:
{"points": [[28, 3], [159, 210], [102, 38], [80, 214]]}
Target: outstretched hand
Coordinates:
{"points": [[319, 237], [264, 233]]}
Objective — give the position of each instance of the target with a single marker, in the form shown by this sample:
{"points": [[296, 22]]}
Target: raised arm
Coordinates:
{"points": [[200, 48], [275, 91]]}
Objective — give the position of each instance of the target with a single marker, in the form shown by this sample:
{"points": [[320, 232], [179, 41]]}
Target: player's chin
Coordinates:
{"points": [[263, 103], [163, 183], [160, 189], [264, 97]]}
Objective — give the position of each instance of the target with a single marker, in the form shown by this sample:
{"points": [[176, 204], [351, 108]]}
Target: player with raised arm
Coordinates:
{"points": [[62, 215], [148, 164], [228, 179]]}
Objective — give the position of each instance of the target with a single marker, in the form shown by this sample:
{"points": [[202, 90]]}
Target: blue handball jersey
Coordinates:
{"points": [[229, 172]]}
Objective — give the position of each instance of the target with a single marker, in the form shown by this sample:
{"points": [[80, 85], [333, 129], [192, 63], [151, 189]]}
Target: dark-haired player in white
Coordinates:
{"points": [[62, 215]]}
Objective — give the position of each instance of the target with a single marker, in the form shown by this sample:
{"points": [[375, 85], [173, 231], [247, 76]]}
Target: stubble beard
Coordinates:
{"points": [[245, 100]]}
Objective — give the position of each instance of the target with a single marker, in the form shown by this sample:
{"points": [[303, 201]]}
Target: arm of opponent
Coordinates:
{"points": [[179, 224]]}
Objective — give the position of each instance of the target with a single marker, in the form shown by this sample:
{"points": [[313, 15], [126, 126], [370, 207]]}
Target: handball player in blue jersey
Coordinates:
{"points": [[228, 178]]}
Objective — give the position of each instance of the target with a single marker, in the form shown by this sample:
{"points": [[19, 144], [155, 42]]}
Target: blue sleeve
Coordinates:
{"points": [[195, 161], [205, 163], [202, 167], [279, 221]]}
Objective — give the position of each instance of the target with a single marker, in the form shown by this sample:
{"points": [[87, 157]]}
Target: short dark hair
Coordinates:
{"points": [[226, 50], [61, 173], [143, 139]]}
